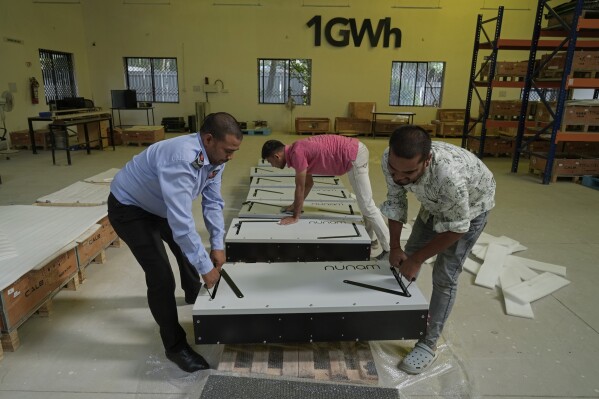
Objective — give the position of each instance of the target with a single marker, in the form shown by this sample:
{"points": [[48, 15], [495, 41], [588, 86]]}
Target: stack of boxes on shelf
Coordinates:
{"points": [[577, 129], [49, 248], [289, 283]]}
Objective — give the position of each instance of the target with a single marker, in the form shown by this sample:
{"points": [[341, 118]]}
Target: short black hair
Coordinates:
{"points": [[270, 147], [410, 141], [219, 124]]}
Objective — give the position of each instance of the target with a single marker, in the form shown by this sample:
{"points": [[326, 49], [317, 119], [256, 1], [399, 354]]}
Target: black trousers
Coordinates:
{"points": [[145, 234]]}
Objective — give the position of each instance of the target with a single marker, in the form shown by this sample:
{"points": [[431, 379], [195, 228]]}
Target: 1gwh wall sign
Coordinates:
{"points": [[342, 36]]}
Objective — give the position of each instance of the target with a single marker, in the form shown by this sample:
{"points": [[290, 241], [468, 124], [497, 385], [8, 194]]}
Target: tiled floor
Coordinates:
{"points": [[101, 342]]}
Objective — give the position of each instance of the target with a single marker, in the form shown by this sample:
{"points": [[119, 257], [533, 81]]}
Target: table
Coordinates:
{"points": [[30, 121], [410, 116], [147, 109], [63, 124]]}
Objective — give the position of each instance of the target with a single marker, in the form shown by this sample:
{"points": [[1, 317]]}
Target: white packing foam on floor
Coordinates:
{"points": [[536, 288], [104, 177], [517, 277], [39, 233], [489, 272], [509, 277], [536, 265], [79, 194]]}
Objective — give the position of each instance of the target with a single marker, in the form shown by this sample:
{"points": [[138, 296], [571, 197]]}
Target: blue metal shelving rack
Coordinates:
{"points": [[569, 45], [475, 73]]}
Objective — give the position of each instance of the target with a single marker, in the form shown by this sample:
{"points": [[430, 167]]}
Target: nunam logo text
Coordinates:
{"points": [[352, 267]]}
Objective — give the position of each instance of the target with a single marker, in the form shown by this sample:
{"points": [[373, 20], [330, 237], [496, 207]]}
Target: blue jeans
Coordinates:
{"points": [[446, 270]]}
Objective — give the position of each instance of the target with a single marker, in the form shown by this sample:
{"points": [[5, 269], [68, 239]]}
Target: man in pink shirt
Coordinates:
{"points": [[329, 155]]}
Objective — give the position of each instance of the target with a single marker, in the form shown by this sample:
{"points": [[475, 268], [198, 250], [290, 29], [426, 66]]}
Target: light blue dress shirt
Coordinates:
{"points": [[164, 179]]}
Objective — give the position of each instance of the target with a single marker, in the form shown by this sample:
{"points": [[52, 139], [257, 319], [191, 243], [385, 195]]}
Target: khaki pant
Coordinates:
{"points": [[360, 183]]}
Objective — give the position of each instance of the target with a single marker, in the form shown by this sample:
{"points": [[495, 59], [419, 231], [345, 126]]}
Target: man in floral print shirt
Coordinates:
{"points": [[456, 191]]}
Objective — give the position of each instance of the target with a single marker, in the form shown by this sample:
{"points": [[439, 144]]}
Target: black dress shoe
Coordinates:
{"points": [[188, 360]]}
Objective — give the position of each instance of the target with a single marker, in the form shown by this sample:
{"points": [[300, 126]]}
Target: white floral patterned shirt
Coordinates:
{"points": [[455, 188]]}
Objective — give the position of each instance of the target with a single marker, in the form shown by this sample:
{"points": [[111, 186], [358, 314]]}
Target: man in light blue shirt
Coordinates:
{"points": [[151, 203]]}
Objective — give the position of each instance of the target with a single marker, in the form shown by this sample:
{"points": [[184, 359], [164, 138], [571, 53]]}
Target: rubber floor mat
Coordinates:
{"points": [[230, 387]]}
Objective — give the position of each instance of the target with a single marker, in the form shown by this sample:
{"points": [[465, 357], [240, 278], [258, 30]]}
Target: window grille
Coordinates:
{"points": [[58, 74], [284, 79], [417, 84], [153, 79]]}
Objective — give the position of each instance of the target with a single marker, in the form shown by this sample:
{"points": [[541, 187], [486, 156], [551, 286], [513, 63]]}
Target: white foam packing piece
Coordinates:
{"points": [[536, 265], [40, 233], [536, 288], [103, 177], [488, 274], [472, 266], [79, 193], [510, 277]]}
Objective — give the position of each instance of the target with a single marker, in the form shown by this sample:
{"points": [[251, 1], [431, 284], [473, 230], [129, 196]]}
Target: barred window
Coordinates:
{"points": [[282, 80], [153, 79], [58, 75], [417, 84]]}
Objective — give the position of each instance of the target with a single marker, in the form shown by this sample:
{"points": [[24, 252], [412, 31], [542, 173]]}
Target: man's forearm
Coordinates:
{"points": [[298, 201], [395, 228]]}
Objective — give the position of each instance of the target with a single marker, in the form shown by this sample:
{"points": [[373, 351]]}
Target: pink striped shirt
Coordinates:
{"points": [[326, 154]]}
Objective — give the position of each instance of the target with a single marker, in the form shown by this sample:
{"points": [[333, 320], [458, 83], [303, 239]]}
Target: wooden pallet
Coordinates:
{"points": [[344, 361], [554, 177]]}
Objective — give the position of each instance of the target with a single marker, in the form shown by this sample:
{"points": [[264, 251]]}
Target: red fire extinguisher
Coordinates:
{"points": [[34, 85]]}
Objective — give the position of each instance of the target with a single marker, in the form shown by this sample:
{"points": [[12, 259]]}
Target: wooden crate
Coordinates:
{"points": [[507, 71], [312, 125], [494, 145], [142, 135], [20, 139], [510, 110], [568, 165], [91, 245], [449, 122], [585, 64], [385, 126], [353, 125], [31, 292], [581, 116], [361, 110]]}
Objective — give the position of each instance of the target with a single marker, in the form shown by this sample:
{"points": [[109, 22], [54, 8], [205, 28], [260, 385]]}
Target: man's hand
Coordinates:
{"points": [[217, 256], [288, 220], [410, 268], [396, 256], [287, 209], [211, 277]]}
